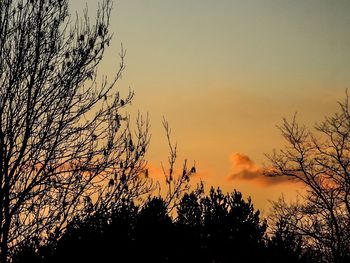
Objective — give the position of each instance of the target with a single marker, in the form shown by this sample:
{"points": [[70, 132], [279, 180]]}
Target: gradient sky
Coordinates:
{"points": [[224, 73]]}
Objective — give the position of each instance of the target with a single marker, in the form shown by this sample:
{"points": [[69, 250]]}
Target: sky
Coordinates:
{"points": [[224, 73]]}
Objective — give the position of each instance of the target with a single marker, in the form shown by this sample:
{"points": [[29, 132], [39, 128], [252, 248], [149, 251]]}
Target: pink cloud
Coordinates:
{"points": [[245, 169]]}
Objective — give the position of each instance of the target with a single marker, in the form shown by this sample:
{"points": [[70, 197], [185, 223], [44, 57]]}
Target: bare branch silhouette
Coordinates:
{"points": [[65, 147], [321, 161], [176, 185]]}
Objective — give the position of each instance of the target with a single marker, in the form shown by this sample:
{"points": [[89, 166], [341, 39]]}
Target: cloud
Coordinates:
{"points": [[245, 169]]}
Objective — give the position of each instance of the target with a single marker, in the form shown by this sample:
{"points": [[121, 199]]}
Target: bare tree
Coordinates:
{"points": [[177, 185], [320, 159], [65, 148]]}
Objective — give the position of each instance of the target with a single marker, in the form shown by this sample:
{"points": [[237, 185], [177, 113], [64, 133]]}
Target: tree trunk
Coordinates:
{"points": [[4, 247]]}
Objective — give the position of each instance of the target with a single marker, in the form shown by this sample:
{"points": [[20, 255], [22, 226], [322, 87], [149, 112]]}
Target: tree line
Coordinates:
{"points": [[213, 227]]}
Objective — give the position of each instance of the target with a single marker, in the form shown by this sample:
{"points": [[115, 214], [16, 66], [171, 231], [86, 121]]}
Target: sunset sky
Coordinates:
{"points": [[224, 73]]}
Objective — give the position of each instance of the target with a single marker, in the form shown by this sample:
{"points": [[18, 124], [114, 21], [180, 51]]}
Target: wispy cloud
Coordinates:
{"points": [[245, 169]]}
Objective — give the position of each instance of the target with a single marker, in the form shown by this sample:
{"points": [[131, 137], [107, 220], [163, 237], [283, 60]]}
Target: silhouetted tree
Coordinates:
{"points": [[190, 210], [154, 232], [128, 234], [320, 160], [176, 185], [190, 228], [101, 237], [98, 238], [65, 149], [226, 228], [285, 245], [220, 227], [27, 252], [232, 224]]}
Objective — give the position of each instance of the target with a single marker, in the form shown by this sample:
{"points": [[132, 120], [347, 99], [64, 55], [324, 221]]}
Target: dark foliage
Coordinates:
{"points": [[216, 227], [221, 228], [285, 245]]}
